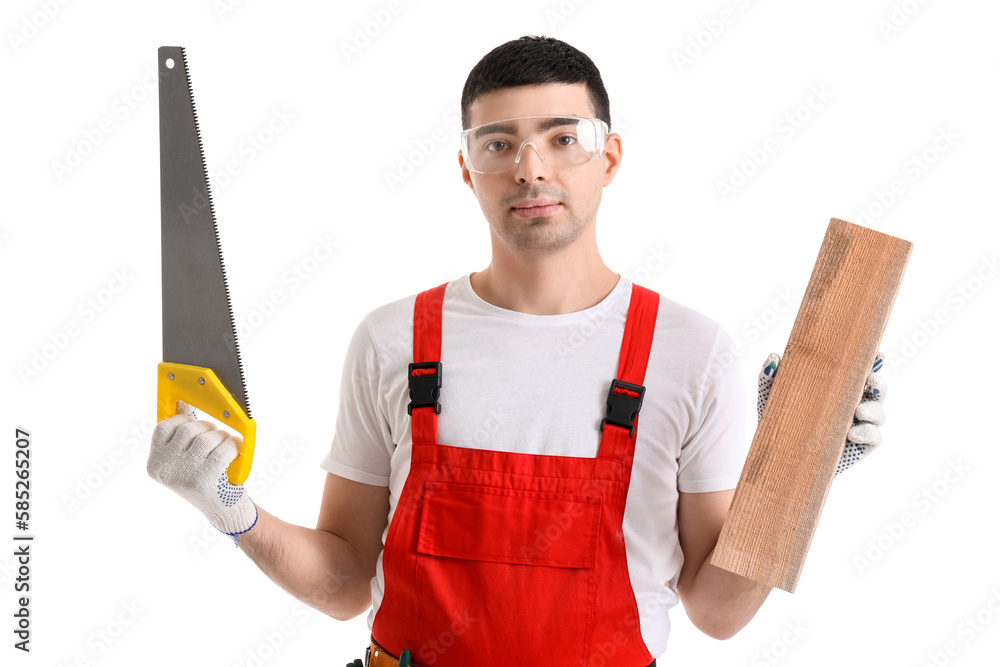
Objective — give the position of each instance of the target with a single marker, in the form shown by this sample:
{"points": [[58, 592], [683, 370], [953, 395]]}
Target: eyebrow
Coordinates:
{"points": [[508, 128]]}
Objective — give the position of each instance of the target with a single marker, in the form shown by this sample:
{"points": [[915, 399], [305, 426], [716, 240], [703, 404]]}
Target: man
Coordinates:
{"points": [[491, 493]]}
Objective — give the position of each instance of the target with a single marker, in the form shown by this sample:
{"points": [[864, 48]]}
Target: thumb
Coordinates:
{"points": [[764, 381], [770, 366], [185, 409]]}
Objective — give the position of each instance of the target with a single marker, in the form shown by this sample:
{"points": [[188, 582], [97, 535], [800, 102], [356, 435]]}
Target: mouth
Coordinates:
{"points": [[536, 208]]}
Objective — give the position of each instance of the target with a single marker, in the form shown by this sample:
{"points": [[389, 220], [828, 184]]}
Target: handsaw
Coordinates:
{"points": [[201, 356]]}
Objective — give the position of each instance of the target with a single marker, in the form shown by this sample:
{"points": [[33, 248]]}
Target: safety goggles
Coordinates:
{"points": [[560, 141]]}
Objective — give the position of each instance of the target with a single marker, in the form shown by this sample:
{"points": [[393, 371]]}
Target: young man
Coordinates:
{"points": [[491, 493]]}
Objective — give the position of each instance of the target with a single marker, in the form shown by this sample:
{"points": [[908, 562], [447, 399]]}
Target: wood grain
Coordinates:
{"points": [[795, 451]]}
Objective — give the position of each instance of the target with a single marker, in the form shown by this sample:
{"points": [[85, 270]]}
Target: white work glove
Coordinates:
{"points": [[863, 436], [190, 457]]}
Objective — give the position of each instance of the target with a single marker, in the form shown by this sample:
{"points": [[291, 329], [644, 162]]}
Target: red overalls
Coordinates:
{"points": [[499, 558]]}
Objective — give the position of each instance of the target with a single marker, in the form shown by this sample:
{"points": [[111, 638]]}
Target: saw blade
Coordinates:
{"points": [[198, 324]]}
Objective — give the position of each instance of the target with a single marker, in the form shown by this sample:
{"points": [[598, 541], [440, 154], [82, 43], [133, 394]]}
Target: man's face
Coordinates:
{"points": [[575, 192]]}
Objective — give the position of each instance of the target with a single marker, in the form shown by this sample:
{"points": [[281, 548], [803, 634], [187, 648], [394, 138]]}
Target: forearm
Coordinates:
{"points": [[721, 603], [315, 566]]}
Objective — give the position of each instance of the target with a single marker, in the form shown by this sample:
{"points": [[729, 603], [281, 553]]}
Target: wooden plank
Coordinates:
{"points": [[794, 454]]}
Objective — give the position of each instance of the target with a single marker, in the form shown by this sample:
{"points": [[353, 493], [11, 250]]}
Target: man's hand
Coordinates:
{"points": [[864, 435], [191, 457]]}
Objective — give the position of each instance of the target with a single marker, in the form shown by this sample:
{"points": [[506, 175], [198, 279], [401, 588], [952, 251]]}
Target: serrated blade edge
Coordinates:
{"points": [[198, 324]]}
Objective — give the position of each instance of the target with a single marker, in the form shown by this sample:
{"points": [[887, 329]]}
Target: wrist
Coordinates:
{"points": [[236, 520]]}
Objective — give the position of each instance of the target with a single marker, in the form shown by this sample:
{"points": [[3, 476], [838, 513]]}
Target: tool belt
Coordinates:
{"points": [[376, 656]]}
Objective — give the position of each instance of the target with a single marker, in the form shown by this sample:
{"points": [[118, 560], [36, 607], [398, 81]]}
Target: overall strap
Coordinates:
{"points": [[626, 393], [424, 374]]}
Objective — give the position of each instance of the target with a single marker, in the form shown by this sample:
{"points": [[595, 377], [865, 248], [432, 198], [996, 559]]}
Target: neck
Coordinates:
{"points": [[571, 280]]}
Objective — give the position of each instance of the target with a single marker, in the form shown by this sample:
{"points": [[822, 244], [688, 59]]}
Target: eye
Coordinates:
{"points": [[495, 146], [572, 140]]}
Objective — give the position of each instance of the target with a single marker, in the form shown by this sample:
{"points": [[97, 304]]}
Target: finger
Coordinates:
{"points": [[225, 452], [864, 434], [185, 409], [765, 379], [165, 430], [203, 443], [853, 453], [871, 412], [770, 366], [185, 434], [875, 388]]}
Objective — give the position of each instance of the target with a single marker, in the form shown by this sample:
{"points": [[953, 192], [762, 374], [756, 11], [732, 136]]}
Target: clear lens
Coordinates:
{"points": [[561, 141]]}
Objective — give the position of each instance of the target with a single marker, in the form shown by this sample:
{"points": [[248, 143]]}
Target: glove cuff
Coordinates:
{"points": [[240, 518]]}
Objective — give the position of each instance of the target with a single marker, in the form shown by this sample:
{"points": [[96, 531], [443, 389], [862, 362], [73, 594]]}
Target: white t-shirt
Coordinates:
{"points": [[518, 382]]}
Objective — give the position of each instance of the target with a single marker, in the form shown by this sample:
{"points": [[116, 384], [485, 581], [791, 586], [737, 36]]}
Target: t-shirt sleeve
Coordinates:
{"points": [[362, 442], [714, 451]]}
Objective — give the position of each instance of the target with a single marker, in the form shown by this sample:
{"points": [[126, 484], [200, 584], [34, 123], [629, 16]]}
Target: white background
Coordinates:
{"points": [[113, 547]]}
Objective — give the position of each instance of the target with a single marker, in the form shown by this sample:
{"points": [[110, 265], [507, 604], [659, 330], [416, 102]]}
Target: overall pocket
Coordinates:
{"points": [[504, 574]]}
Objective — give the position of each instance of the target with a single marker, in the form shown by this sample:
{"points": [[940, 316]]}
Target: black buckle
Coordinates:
{"points": [[425, 389], [623, 409]]}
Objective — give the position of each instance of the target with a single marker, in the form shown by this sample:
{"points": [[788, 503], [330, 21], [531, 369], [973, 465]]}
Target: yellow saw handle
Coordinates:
{"points": [[200, 387]]}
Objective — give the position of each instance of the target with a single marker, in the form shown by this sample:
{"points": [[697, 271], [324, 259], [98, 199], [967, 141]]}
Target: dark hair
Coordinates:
{"points": [[532, 60]]}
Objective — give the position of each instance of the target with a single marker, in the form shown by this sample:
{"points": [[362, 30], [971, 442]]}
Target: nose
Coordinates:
{"points": [[529, 167]]}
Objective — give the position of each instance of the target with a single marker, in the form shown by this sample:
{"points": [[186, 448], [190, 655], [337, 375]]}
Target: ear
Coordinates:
{"points": [[612, 157], [466, 174]]}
